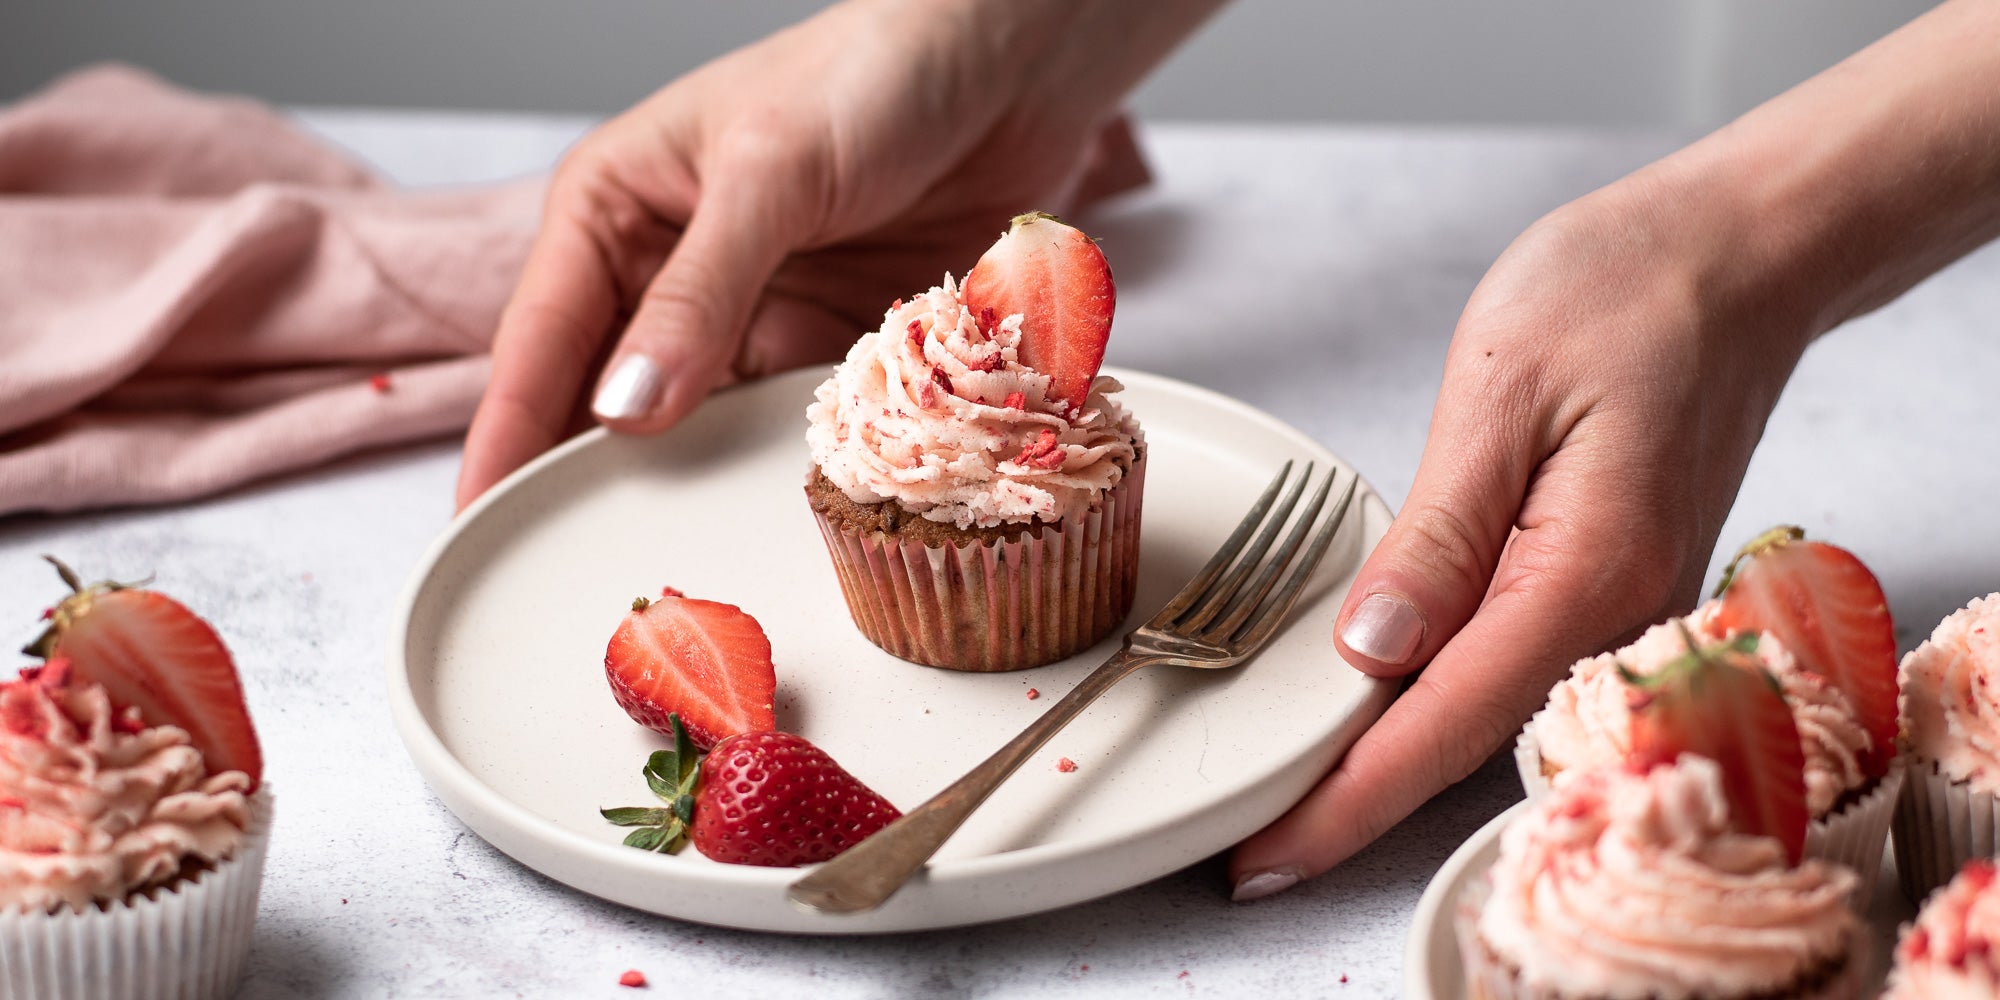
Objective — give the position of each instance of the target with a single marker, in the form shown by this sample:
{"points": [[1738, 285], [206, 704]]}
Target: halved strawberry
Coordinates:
{"points": [[153, 654], [1720, 703], [1828, 609], [1057, 280], [709, 663]]}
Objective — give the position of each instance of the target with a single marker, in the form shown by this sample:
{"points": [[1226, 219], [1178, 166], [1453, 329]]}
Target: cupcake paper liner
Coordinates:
{"points": [[1002, 605], [1852, 835], [1488, 978], [187, 941], [1941, 824]]}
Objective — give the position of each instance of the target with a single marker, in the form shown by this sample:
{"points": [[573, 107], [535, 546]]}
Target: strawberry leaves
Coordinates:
{"points": [[673, 775]]}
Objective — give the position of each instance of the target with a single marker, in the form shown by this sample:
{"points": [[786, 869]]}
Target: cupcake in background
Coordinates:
{"points": [[1619, 884], [1952, 950], [1950, 811], [1790, 595], [978, 490], [1674, 874], [133, 827]]}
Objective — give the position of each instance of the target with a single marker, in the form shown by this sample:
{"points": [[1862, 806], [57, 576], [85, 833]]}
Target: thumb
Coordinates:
{"points": [[689, 325], [1430, 572]]}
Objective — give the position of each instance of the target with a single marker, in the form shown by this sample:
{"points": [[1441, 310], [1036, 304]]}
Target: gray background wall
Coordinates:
{"points": [[1688, 63]]}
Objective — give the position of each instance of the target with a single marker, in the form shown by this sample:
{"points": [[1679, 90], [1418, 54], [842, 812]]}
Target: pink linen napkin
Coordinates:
{"points": [[196, 293]]}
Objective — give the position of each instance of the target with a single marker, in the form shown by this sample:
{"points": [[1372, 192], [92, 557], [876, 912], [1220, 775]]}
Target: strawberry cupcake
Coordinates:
{"points": [[1952, 951], [978, 489], [131, 849], [1627, 884], [1950, 811], [1852, 778]]}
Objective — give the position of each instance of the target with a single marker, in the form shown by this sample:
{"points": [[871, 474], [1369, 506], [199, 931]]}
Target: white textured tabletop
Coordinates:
{"points": [[1315, 273]]}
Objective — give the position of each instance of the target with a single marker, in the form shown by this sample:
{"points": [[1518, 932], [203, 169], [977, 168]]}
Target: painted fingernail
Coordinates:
{"points": [[1257, 885], [1384, 628], [632, 389]]}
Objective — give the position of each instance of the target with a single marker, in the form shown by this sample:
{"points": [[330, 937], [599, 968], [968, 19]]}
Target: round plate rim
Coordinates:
{"points": [[1434, 905]]}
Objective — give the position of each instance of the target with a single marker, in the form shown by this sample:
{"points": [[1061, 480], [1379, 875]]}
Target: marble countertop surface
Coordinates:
{"points": [[1313, 272]]}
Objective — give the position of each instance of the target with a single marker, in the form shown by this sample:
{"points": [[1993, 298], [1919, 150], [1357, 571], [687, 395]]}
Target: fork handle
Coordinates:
{"points": [[867, 874]]}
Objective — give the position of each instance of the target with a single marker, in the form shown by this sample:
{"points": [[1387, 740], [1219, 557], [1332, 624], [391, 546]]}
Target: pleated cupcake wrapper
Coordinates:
{"points": [[1488, 978], [1001, 605], [1852, 835], [1940, 825], [187, 941]]}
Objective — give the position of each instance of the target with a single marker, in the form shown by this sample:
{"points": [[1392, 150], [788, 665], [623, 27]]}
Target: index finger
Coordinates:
{"points": [[549, 335]]}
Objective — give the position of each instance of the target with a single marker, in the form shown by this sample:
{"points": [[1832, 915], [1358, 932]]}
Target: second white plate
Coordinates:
{"points": [[496, 677]]}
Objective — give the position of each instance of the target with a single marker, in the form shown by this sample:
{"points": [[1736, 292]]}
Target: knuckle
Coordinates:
{"points": [[1448, 547]]}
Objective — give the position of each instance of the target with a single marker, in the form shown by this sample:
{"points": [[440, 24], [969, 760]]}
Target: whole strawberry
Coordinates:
{"points": [[763, 798], [774, 799]]}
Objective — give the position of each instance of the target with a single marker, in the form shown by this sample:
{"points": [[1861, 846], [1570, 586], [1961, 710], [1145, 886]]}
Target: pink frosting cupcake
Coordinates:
{"points": [[1952, 951], [126, 868], [1950, 707], [976, 520], [1616, 884], [1588, 723]]}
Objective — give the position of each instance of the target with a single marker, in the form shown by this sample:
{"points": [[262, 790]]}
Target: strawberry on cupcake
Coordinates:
{"points": [[977, 488], [1822, 631], [133, 826], [1950, 810]]}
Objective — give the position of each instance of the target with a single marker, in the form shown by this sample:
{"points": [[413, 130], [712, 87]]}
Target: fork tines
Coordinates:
{"points": [[1230, 602]]}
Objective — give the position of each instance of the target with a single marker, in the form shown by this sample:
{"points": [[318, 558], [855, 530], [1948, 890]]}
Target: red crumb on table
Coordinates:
{"points": [[48, 613], [343, 900], [1343, 977], [633, 978], [1183, 975], [1067, 765], [379, 381], [1033, 694], [1083, 968]]}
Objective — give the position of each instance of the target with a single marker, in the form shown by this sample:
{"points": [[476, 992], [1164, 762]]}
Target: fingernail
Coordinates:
{"points": [[632, 389], [1384, 628], [1264, 883]]}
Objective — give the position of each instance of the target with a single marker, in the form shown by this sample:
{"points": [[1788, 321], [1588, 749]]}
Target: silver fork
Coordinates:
{"points": [[1220, 619]]}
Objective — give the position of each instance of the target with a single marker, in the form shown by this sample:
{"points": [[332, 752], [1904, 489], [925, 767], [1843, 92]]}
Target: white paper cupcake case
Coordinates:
{"points": [[1486, 978], [1941, 824], [1854, 836], [186, 942], [1004, 605]]}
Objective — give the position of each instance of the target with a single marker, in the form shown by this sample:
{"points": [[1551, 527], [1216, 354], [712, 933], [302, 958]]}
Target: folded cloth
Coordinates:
{"points": [[196, 293]]}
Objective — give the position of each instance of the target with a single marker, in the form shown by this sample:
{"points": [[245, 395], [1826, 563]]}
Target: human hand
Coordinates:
{"points": [[1603, 392], [759, 213]]}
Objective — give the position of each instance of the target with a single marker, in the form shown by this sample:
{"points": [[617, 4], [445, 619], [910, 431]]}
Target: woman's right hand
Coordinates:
{"points": [[758, 213]]}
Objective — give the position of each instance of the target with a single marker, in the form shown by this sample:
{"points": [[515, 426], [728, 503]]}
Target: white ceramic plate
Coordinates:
{"points": [[496, 677], [1431, 966]]}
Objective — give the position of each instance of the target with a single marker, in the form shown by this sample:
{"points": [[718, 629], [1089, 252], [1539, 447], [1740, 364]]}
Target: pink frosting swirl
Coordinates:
{"points": [[94, 806], [1950, 705], [1588, 720], [936, 411], [1953, 948], [1623, 885]]}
